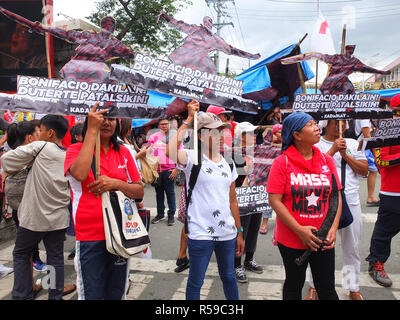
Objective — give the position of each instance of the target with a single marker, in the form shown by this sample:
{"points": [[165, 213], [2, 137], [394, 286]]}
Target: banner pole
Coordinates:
{"points": [[316, 76], [98, 155], [300, 70], [343, 51], [195, 141]]}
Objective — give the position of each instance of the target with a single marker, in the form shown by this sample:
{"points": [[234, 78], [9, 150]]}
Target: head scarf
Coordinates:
{"points": [[294, 122], [276, 128]]}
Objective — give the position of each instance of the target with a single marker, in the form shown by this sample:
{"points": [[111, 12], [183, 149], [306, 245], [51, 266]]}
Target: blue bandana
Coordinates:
{"points": [[294, 122]]}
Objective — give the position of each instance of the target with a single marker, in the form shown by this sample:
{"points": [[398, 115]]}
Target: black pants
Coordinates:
{"points": [[35, 253], [25, 243], [251, 225], [386, 227], [322, 265]]}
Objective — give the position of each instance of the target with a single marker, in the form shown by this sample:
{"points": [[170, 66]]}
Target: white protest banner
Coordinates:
{"points": [[252, 199], [340, 107], [387, 134], [184, 82], [71, 97]]}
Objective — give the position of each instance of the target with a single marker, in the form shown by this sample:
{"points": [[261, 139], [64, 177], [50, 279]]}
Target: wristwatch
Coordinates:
{"points": [[239, 230]]}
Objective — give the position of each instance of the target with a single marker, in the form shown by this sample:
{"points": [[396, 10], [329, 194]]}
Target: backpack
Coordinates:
{"points": [[15, 185], [14, 189], [194, 174]]}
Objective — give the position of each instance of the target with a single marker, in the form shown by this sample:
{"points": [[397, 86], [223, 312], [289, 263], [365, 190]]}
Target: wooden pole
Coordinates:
{"points": [[98, 155], [343, 51], [196, 140], [299, 69], [316, 76]]}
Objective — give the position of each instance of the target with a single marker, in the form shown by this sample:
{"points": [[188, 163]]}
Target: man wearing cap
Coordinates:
{"points": [[224, 115], [346, 157], [388, 222], [250, 219]]}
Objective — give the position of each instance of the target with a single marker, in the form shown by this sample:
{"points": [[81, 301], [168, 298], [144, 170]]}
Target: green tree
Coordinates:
{"points": [[137, 23]]}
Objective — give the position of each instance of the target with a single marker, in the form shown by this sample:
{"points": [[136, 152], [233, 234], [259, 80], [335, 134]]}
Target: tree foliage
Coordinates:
{"points": [[137, 23]]}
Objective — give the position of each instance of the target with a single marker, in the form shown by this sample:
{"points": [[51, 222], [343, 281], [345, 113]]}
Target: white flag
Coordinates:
{"points": [[321, 38]]}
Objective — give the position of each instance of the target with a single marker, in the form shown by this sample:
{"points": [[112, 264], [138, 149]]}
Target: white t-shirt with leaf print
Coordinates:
{"points": [[209, 213]]}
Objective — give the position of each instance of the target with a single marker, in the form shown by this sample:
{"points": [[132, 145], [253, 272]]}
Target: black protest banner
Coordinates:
{"points": [[387, 134], [184, 82], [252, 199], [70, 97], [341, 107]]}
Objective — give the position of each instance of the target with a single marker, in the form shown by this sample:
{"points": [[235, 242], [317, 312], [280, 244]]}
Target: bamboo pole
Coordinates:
{"points": [[97, 158], [343, 51], [299, 69]]}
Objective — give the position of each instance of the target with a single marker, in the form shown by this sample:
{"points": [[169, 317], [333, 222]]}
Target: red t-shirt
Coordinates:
{"points": [[87, 210], [306, 188], [388, 161]]}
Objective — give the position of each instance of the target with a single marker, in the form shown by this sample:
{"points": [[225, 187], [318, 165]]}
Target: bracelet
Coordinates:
{"points": [[187, 123], [240, 230]]}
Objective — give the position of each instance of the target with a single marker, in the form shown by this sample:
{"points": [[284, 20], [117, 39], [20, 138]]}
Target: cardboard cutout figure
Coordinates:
{"points": [[199, 43], [340, 67], [94, 48]]}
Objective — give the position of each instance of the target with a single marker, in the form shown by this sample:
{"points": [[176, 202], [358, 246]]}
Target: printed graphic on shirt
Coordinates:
{"points": [[310, 193]]}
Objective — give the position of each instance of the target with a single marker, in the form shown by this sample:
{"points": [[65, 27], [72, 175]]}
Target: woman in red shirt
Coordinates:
{"points": [[299, 188], [100, 274]]}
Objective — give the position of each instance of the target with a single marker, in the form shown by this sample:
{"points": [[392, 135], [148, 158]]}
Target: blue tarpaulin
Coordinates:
{"points": [[268, 79], [387, 93]]}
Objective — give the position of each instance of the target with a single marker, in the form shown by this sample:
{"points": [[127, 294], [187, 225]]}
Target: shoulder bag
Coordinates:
{"points": [[125, 232]]}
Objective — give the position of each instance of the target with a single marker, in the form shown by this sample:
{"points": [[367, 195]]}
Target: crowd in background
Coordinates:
{"points": [[49, 190]]}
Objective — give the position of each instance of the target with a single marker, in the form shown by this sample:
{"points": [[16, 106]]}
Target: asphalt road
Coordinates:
{"points": [[155, 279]]}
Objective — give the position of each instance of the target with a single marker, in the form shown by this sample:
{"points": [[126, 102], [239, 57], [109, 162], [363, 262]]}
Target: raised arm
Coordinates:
{"points": [[307, 56], [221, 45], [172, 150], [70, 36], [179, 25], [361, 67], [17, 159], [81, 167]]}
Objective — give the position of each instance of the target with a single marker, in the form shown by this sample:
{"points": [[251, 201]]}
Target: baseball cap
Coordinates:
{"points": [[395, 102], [217, 110], [209, 120], [243, 127]]}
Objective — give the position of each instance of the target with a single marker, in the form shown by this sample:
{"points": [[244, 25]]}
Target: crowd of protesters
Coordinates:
{"points": [[51, 188]]}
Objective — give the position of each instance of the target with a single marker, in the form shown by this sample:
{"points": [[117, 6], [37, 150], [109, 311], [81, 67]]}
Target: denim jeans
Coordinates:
{"points": [[166, 186], [200, 252]]}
